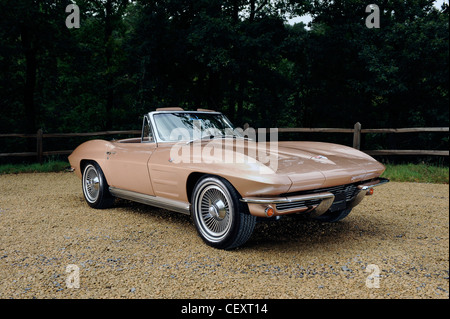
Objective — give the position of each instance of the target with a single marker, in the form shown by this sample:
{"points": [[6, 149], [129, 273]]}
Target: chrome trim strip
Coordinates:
{"points": [[326, 200], [278, 200], [169, 204], [379, 181]]}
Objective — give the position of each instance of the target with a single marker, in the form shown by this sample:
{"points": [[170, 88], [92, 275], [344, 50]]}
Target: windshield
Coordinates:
{"points": [[185, 126]]}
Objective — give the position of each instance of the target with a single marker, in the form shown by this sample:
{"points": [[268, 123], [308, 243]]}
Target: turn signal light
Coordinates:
{"points": [[269, 211], [370, 192]]}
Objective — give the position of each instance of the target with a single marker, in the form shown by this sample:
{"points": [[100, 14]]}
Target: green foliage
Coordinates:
{"points": [[47, 167], [419, 173], [236, 56]]}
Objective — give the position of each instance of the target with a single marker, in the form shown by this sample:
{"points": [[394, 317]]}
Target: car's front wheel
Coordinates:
{"points": [[222, 221], [95, 188]]}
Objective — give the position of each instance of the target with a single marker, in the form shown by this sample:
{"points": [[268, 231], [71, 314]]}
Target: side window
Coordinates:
{"points": [[147, 135]]}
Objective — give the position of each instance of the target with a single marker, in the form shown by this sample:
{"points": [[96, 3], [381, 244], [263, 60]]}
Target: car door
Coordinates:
{"points": [[127, 162]]}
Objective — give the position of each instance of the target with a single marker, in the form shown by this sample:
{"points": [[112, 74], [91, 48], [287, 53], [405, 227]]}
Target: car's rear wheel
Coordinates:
{"points": [[333, 217], [95, 188], [222, 221]]}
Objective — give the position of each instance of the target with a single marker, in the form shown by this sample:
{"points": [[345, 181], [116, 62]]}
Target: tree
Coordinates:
{"points": [[32, 24], [109, 15], [235, 56]]}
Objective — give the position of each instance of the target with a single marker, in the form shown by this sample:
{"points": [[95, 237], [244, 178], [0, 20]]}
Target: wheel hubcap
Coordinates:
{"points": [[217, 210], [91, 184], [213, 212]]}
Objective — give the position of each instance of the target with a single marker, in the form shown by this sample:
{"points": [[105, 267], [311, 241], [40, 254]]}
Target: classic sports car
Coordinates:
{"points": [[197, 163]]}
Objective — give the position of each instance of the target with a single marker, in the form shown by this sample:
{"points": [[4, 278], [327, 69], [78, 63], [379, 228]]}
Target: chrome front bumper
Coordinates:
{"points": [[314, 204]]}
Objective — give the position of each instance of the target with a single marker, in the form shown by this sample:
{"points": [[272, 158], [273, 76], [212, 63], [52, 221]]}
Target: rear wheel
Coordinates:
{"points": [[95, 188], [333, 217], [222, 221]]}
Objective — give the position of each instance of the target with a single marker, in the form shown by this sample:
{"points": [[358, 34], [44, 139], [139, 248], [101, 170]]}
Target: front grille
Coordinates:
{"points": [[295, 205], [349, 191]]}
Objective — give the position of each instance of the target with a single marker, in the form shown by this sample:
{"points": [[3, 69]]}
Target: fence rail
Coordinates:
{"points": [[356, 131]]}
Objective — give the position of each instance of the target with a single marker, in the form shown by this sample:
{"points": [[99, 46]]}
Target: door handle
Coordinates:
{"points": [[110, 153]]}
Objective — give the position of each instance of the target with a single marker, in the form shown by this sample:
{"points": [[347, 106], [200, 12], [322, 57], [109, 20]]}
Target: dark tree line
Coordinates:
{"points": [[237, 56]]}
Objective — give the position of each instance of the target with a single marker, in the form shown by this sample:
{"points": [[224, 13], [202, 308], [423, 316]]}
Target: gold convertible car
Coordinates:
{"points": [[198, 163]]}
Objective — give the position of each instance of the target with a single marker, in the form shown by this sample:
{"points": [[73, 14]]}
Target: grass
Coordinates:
{"points": [[419, 173], [50, 166]]}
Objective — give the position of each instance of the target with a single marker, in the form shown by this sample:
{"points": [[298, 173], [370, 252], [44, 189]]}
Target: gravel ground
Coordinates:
{"points": [[400, 236]]}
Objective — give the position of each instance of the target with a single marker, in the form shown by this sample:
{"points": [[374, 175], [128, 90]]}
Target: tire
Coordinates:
{"points": [[95, 187], [222, 221], [333, 217]]}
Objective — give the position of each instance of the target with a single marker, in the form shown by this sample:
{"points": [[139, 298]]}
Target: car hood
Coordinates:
{"points": [[307, 164], [337, 164]]}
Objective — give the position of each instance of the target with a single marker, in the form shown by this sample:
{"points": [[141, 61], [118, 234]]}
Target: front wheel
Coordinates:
{"points": [[95, 188], [222, 221]]}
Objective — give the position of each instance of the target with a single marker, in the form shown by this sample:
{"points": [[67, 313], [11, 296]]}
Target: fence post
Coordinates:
{"points": [[39, 146], [357, 136]]}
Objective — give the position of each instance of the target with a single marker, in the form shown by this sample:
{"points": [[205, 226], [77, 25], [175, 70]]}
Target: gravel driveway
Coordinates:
{"points": [[395, 244]]}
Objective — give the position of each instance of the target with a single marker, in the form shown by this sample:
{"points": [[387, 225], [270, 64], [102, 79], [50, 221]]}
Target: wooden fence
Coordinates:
{"points": [[356, 131], [40, 135]]}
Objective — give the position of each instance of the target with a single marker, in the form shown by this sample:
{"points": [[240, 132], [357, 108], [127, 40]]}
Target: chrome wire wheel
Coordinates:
{"points": [[222, 221], [213, 211], [91, 183]]}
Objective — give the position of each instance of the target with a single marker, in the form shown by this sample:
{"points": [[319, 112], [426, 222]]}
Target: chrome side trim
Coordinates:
{"points": [[169, 204]]}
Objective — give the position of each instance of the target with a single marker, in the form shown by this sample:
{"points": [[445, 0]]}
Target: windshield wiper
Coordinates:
{"points": [[216, 136], [201, 138], [234, 136]]}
